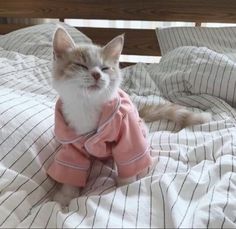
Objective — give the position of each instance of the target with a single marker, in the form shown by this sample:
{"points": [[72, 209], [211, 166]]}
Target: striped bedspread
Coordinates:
{"points": [[192, 183]]}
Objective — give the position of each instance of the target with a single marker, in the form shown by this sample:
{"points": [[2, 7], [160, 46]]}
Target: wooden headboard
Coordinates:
{"points": [[138, 42]]}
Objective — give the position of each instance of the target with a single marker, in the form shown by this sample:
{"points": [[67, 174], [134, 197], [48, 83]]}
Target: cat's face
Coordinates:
{"points": [[86, 69]]}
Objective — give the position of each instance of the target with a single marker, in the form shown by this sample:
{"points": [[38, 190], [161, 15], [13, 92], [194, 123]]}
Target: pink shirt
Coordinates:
{"points": [[120, 134]]}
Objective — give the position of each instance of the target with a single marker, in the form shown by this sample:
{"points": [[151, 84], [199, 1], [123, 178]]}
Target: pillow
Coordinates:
{"points": [[221, 39], [37, 40]]}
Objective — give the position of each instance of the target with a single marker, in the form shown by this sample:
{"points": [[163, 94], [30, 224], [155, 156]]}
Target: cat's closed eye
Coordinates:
{"points": [[81, 65], [105, 68]]}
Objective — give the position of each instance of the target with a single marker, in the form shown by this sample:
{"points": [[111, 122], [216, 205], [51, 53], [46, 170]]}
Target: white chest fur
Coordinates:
{"points": [[82, 115], [81, 111]]}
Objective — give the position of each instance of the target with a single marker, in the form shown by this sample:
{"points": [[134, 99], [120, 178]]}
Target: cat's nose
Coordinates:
{"points": [[96, 75]]}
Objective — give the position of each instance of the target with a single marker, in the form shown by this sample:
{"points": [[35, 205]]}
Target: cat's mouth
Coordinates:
{"points": [[97, 86], [94, 87]]}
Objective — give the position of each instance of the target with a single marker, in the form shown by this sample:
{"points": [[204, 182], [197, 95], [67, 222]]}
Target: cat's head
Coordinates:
{"points": [[85, 69]]}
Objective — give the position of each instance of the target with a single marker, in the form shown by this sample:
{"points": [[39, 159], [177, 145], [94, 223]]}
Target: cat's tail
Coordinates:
{"points": [[176, 113]]}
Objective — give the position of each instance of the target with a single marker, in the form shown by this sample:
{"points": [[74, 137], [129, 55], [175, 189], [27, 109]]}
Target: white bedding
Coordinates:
{"points": [[193, 182]]}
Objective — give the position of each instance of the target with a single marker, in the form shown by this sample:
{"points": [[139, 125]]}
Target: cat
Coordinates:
{"points": [[87, 76]]}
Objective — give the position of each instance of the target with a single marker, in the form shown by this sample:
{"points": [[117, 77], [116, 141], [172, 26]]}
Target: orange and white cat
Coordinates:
{"points": [[86, 76]]}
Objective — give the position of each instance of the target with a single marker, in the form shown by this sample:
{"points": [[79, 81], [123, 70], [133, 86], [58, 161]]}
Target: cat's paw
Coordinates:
{"points": [[205, 117], [62, 199], [140, 175], [65, 194], [125, 181]]}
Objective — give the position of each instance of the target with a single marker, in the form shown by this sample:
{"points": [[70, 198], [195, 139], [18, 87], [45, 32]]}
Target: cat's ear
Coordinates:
{"points": [[62, 42], [114, 48]]}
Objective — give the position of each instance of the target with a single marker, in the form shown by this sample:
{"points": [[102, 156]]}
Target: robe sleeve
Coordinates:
{"points": [[131, 151]]}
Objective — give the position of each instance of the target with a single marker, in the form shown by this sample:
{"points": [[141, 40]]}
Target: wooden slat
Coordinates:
{"points": [[137, 42], [126, 64], [7, 28], [153, 10]]}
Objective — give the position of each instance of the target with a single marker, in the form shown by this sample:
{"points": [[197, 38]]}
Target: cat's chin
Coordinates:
{"points": [[94, 88]]}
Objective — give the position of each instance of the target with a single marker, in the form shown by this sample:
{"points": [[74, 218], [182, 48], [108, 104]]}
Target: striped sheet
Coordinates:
{"points": [[219, 39], [192, 183]]}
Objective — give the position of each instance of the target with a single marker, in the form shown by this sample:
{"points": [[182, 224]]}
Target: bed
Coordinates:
{"points": [[193, 180]]}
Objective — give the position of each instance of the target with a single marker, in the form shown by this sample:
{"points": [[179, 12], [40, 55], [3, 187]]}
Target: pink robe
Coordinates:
{"points": [[120, 134]]}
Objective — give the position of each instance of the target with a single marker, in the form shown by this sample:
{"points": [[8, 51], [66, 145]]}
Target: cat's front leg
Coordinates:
{"points": [[125, 181], [65, 194], [129, 180]]}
